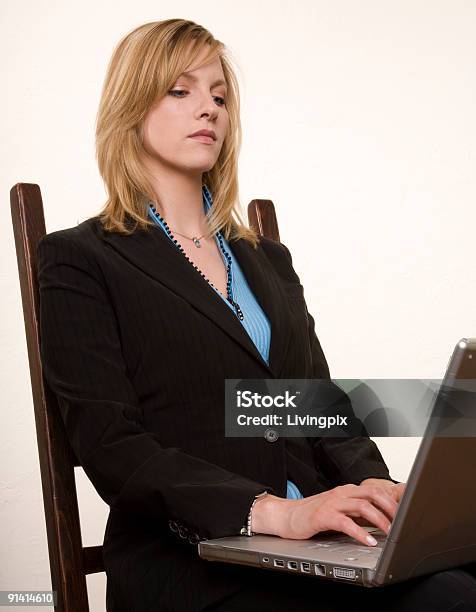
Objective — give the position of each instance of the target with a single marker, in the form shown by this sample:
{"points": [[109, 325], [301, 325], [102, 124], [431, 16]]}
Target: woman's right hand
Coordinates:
{"points": [[331, 510]]}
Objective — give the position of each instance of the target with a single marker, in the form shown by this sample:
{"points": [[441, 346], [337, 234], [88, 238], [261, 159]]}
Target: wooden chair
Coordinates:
{"points": [[70, 562]]}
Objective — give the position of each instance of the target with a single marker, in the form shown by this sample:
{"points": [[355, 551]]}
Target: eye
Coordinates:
{"points": [[174, 92]]}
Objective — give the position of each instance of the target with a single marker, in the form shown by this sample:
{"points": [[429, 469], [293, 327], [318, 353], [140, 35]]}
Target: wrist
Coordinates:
{"points": [[246, 529], [265, 515]]}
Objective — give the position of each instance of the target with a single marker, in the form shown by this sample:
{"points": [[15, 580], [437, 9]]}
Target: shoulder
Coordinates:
{"points": [[280, 257], [272, 247], [85, 233], [80, 242]]}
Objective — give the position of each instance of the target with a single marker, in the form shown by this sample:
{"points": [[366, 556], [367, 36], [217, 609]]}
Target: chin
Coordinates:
{"points": [[203, 165]]}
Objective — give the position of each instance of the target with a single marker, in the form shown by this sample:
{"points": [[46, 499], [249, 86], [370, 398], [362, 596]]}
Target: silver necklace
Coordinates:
{"points": [[229, 293], [196, 241]]}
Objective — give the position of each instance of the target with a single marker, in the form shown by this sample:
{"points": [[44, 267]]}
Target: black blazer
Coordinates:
{"points": [[137, 345]]}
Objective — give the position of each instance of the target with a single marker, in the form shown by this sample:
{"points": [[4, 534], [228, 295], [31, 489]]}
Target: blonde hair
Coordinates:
{"points": [[144, 66]]}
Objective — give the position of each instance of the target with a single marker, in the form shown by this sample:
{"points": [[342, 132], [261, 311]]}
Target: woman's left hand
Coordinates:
{"points": [[391, 488]]}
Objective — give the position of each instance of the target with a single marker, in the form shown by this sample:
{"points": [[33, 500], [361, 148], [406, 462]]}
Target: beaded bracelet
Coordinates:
{"points": [[246, 530]]}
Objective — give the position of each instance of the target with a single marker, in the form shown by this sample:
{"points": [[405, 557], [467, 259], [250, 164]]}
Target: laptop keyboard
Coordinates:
{"points": [[352, 551]]}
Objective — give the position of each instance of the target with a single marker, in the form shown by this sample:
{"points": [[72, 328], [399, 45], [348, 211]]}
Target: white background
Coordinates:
{"points": [[359, 123]]}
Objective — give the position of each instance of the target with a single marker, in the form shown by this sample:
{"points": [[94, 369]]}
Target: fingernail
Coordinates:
{"points": [[371, 540]]}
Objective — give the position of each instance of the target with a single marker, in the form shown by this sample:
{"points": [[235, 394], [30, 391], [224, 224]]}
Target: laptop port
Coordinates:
{"points": [[279, 563], [344, 572], [305, 567], [320, 569], [292, 565], [265, 559]]}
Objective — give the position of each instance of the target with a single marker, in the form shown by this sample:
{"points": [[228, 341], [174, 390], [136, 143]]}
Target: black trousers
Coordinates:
{"points": [[266, 590]]}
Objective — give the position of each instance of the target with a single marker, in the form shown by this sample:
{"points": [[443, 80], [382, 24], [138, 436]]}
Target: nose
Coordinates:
{"points": [[207, 107]]}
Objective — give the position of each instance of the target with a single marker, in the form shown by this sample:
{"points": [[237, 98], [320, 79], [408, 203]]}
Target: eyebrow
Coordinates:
{"points": [[190, 76]]}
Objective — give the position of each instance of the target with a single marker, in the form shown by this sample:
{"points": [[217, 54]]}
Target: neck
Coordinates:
{"points": [[179, 201]]}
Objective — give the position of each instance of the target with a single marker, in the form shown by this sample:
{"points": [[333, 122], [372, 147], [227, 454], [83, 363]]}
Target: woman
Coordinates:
{"points": [[148, 307]]}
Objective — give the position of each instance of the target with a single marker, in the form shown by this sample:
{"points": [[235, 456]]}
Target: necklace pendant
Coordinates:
{"points": [[196, 242]]}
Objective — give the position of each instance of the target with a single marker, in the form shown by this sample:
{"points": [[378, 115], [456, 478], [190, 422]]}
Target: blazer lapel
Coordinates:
{"points": [[155, 254], [265, 284]]}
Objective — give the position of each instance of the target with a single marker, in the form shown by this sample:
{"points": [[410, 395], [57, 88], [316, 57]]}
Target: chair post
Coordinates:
{"points": [[57, 460], [262, 218]]}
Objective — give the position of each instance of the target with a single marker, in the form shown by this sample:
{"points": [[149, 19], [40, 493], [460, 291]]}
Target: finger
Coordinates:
{"points": [[364, 509], [361, 521], [399, 490], [378, 496], [396, 490], [346, 525]]}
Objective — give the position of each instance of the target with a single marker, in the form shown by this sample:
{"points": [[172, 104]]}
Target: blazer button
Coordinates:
{"points": [[173, 525], [194, 538], [183, 531], [271, 435]]}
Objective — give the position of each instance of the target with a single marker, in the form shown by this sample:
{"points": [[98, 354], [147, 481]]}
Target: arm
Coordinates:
{"points": [[343, 460], [83, 365]]}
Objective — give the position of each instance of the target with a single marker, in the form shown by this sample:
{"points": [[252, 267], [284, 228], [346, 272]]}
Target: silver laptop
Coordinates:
{"points": [[434, 527]]}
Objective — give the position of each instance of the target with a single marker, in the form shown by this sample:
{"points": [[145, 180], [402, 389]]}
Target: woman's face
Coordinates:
{"points": [[197, 101]]}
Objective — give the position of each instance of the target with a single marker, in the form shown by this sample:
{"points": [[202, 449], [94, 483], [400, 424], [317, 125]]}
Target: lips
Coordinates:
{"points": [[209, 134]]}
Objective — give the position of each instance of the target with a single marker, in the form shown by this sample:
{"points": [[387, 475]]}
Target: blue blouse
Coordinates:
{"points": [[255, 322]]}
